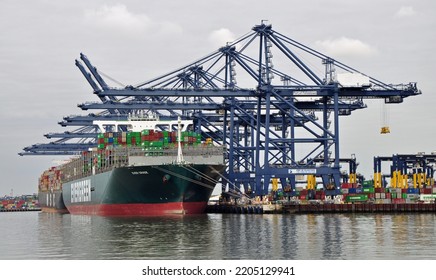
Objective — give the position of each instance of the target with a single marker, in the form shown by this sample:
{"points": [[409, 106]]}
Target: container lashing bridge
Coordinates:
{"points": [[276, 120]]}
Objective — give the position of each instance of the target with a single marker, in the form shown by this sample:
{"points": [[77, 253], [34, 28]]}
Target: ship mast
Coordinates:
{"points": [[179, 137]]}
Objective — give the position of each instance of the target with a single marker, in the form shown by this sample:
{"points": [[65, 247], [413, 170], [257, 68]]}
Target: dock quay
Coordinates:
{"points": [[21, 210], [317, 208]]}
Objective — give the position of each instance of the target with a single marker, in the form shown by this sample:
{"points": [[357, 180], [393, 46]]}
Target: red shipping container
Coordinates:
{"points": [[379, 190], [302, 197], [427, 191], [388, 195], [303, 192]]}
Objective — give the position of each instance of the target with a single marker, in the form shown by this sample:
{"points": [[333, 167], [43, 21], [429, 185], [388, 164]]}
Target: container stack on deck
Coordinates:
{"points": [[148, 139], [104, 155], [50, 180]]}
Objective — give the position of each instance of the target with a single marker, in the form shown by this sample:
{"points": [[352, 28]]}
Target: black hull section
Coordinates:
{"points": [[161, 189], [52, 201]]}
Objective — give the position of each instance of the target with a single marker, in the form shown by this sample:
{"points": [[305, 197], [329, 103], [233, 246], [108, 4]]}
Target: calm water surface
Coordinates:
{"points": [[34, 235]]}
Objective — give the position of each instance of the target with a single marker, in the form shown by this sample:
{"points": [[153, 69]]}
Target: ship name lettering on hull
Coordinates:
{"points": [[143, 172], [81, 191]]}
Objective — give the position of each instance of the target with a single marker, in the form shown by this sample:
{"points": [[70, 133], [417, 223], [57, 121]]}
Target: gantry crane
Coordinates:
{"points": [[275, 120], [419, 167]]}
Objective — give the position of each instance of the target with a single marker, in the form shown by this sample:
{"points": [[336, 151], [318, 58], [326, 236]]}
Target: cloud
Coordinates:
{"points": [[405, 11], [221, 36], [119, 18], [346, 47]]}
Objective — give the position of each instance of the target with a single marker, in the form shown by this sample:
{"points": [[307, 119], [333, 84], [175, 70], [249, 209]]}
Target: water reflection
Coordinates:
{"points": [[220, 236]]}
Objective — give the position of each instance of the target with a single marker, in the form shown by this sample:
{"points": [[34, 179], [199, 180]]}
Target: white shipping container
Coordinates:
{"points": [[377, 195], [344, 190], [382, 195], [427, 197]]}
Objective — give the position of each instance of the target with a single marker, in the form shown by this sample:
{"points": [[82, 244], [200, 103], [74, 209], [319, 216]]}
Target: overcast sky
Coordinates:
{"points": [[133, 41]]}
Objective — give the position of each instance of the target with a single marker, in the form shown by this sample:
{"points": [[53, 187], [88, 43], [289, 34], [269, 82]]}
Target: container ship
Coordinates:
{"points": [[50, 191], [143, 171]]}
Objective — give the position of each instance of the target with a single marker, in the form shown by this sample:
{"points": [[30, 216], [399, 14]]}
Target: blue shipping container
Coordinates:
{"points": [[413, 191]]}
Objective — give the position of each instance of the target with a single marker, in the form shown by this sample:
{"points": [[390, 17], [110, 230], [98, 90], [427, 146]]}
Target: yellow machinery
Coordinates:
{"points": [[311, 182], [385, 130], [275, 184]]}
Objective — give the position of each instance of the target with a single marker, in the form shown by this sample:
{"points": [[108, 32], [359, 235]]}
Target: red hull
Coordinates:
{"points": [[152, 209]]}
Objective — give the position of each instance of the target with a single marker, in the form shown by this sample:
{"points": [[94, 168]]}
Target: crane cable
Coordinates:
{"points": [[110, 78], [384, 113]]}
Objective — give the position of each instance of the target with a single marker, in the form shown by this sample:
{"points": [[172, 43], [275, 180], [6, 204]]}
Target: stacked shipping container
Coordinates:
{"points": [[353, 193], [148, 139], [50, 180]]}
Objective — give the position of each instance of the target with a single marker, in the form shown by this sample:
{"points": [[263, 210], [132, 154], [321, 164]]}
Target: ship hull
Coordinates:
{"points": [[52, 201], [143, 191]]}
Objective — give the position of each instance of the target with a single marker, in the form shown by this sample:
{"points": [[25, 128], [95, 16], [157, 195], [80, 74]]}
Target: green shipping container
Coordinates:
{"points": [[145, 144], [404, 195], [368, 190], [368, 184], [359, 197]]}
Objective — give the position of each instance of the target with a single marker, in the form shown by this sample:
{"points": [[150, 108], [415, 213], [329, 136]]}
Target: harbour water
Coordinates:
{"points": [[37, 235]]}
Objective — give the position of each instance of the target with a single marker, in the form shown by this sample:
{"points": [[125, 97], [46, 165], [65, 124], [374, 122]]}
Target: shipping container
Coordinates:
{"points": [[367, 190], [357, 198], [368, 184], [412, 190]]}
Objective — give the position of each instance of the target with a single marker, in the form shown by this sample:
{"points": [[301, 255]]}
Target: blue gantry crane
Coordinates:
{"points": [[419, 168], [258, 96]]}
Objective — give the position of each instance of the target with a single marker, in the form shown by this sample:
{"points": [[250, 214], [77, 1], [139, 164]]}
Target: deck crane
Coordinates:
{"points": [[275, 118]]}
